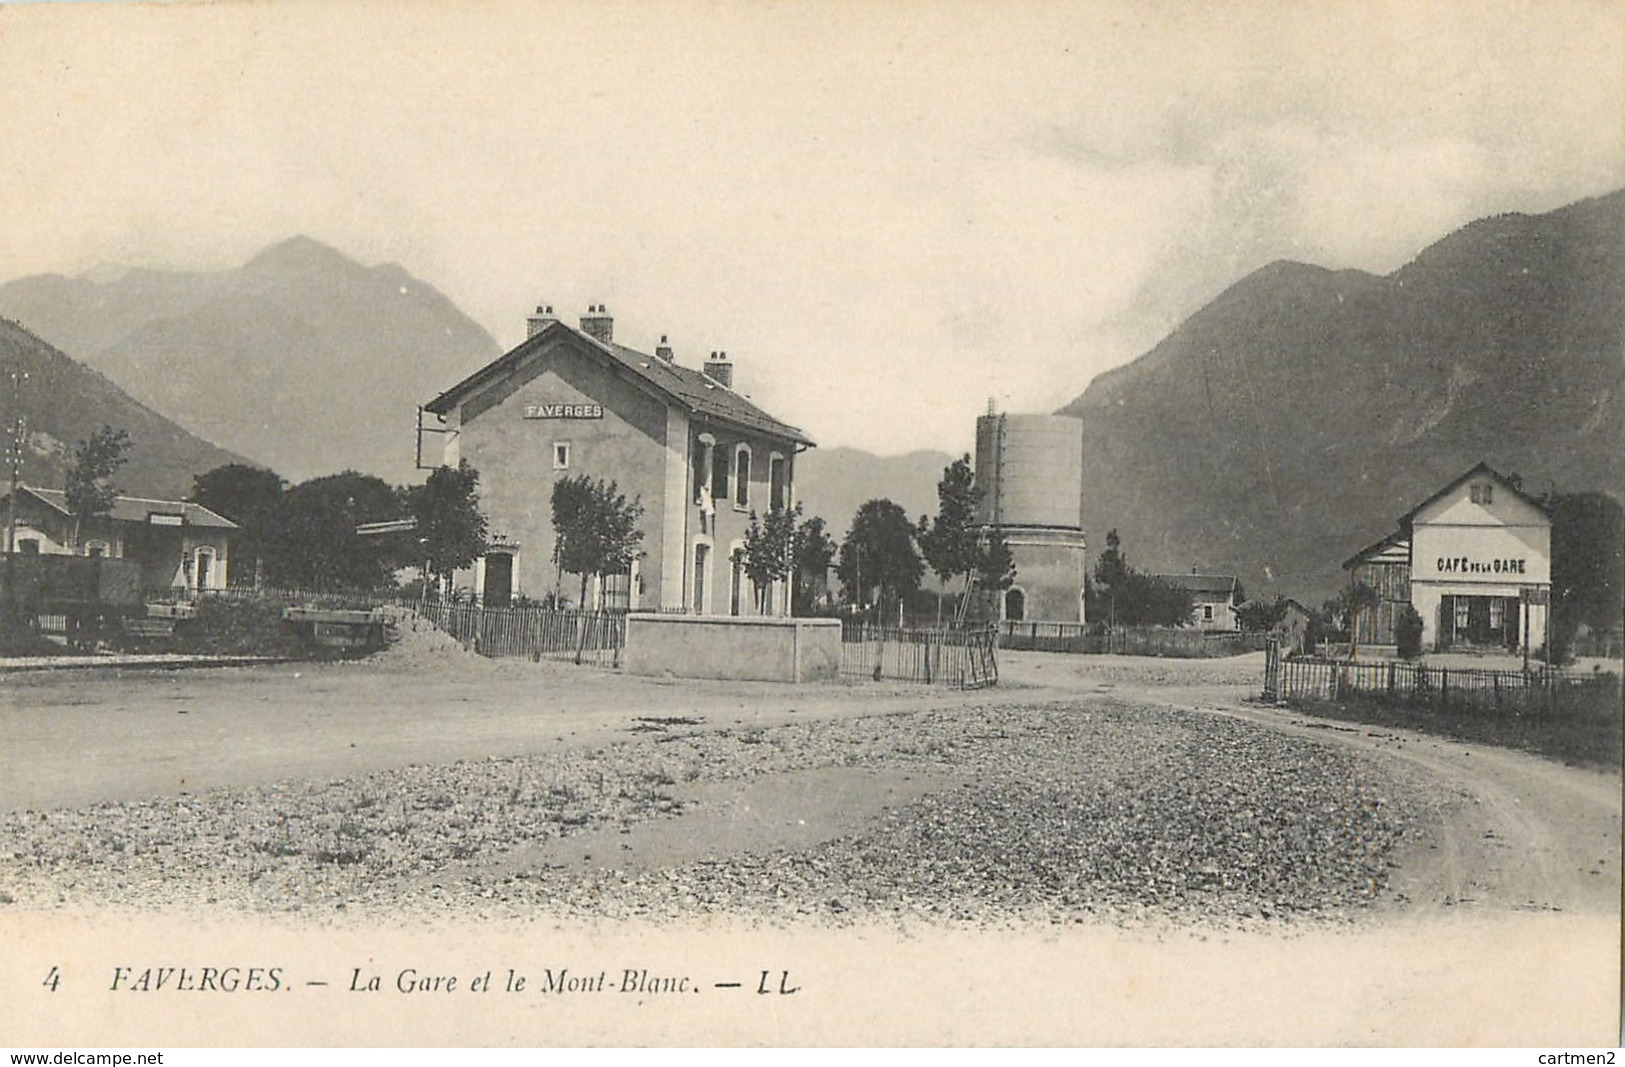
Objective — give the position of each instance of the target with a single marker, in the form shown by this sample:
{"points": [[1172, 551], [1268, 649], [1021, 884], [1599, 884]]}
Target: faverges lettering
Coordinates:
{"points": [[564, 411]]}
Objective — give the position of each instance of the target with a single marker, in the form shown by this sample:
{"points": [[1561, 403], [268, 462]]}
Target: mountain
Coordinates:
{"points": [[63, 402], [302, 357], [1291, 421], [835, 482]]}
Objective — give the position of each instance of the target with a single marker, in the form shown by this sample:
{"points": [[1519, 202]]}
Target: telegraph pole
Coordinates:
{"points": [[18, 428], [18, 425]]}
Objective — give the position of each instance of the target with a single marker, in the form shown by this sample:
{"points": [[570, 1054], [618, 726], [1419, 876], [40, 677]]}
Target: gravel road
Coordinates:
{"points": [[1085, 790]]}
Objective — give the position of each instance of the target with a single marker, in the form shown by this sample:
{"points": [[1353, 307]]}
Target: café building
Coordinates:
{"points": [[1474, 560]]}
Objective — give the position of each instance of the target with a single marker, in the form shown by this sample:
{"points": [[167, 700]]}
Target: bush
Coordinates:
{"points": [[1408, 633]]}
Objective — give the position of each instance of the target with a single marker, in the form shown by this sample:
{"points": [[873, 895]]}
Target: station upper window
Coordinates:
{"points": [[561, 455], [742, 477], [1483, 493], [719, 474], [776, 468]]}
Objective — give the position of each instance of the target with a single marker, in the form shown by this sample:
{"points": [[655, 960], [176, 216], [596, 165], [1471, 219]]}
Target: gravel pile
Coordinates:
{"points": [[1115, 812]]}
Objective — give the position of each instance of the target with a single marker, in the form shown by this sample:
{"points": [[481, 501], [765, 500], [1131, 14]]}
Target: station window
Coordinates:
{"points": [[776, 468], [719, 474], [704, 460], [742, 477], [1482, 494], [561, 455], [1207, 612]]}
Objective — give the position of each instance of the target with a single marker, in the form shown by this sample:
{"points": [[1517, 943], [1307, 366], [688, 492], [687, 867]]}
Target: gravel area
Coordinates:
{"points": [[1108, 811]]}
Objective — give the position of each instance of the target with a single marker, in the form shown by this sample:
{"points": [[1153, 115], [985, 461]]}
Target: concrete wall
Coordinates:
{"points": [[743, 649]]}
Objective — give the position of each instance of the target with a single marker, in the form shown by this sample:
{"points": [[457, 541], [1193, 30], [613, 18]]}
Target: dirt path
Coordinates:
{"points": [[1512, 830]]}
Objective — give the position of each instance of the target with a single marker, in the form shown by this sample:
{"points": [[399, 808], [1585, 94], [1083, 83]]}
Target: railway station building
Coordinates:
{"points": [[698, 455], [182, 547], [1474, 560]]}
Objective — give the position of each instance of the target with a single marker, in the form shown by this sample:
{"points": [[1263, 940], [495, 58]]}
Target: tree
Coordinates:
{"points": [[1347, 606], [955, 545], [995, 569], [949, 542], [1588, 564], [812, 551], [879, 555], [312, 541], [1123, 596], [1259, 616], [88, 483], [769, 546], [248, 496], [595, 528], [451, 529]]}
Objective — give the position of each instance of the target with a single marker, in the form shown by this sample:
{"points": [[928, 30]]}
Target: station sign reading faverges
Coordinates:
{"points": [[564, 411]]}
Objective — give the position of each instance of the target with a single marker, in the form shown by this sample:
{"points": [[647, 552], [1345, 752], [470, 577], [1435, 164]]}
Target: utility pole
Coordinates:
{"points": [[18, 427]]}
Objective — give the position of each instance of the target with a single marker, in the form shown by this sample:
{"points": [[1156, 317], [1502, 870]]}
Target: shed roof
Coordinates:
{"points": [[138, 509], [683, 386]]}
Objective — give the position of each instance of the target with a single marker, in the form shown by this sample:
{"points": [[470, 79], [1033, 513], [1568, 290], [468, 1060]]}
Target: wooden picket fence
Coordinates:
{"points": [[1416, 685], [1169, 641], [592, 637], [595, 637], [960, 658]]}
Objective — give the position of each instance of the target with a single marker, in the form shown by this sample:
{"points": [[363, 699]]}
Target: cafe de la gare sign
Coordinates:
{"points": [[1469, 565], [564, 411]]}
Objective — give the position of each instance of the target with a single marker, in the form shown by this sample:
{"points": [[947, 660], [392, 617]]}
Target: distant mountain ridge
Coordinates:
{"points": [[834, 482], [1290, 421], [63, 402], [302, 358]]}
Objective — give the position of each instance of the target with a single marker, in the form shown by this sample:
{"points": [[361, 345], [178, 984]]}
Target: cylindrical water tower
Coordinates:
{"points": [[1030, 469]]}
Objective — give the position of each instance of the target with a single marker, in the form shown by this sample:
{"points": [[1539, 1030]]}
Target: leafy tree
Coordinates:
{"points": [[813, 551], [954, 544], [451, 529], [1347, 606], [1261, 615], [248, 496], [88, 484], [879, 556], [1119, 595], [1588, 563], [995, 566], [949, 542], [312, 541], [769, 546], [595, 528]]}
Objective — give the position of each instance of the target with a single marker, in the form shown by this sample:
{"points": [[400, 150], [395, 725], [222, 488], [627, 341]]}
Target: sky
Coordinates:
{"points": [[888, 213]]}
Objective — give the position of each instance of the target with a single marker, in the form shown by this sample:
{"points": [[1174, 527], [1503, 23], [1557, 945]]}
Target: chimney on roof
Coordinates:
{"points": [[597, 324], [663, 350], [720, 369], [540, 321]]}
